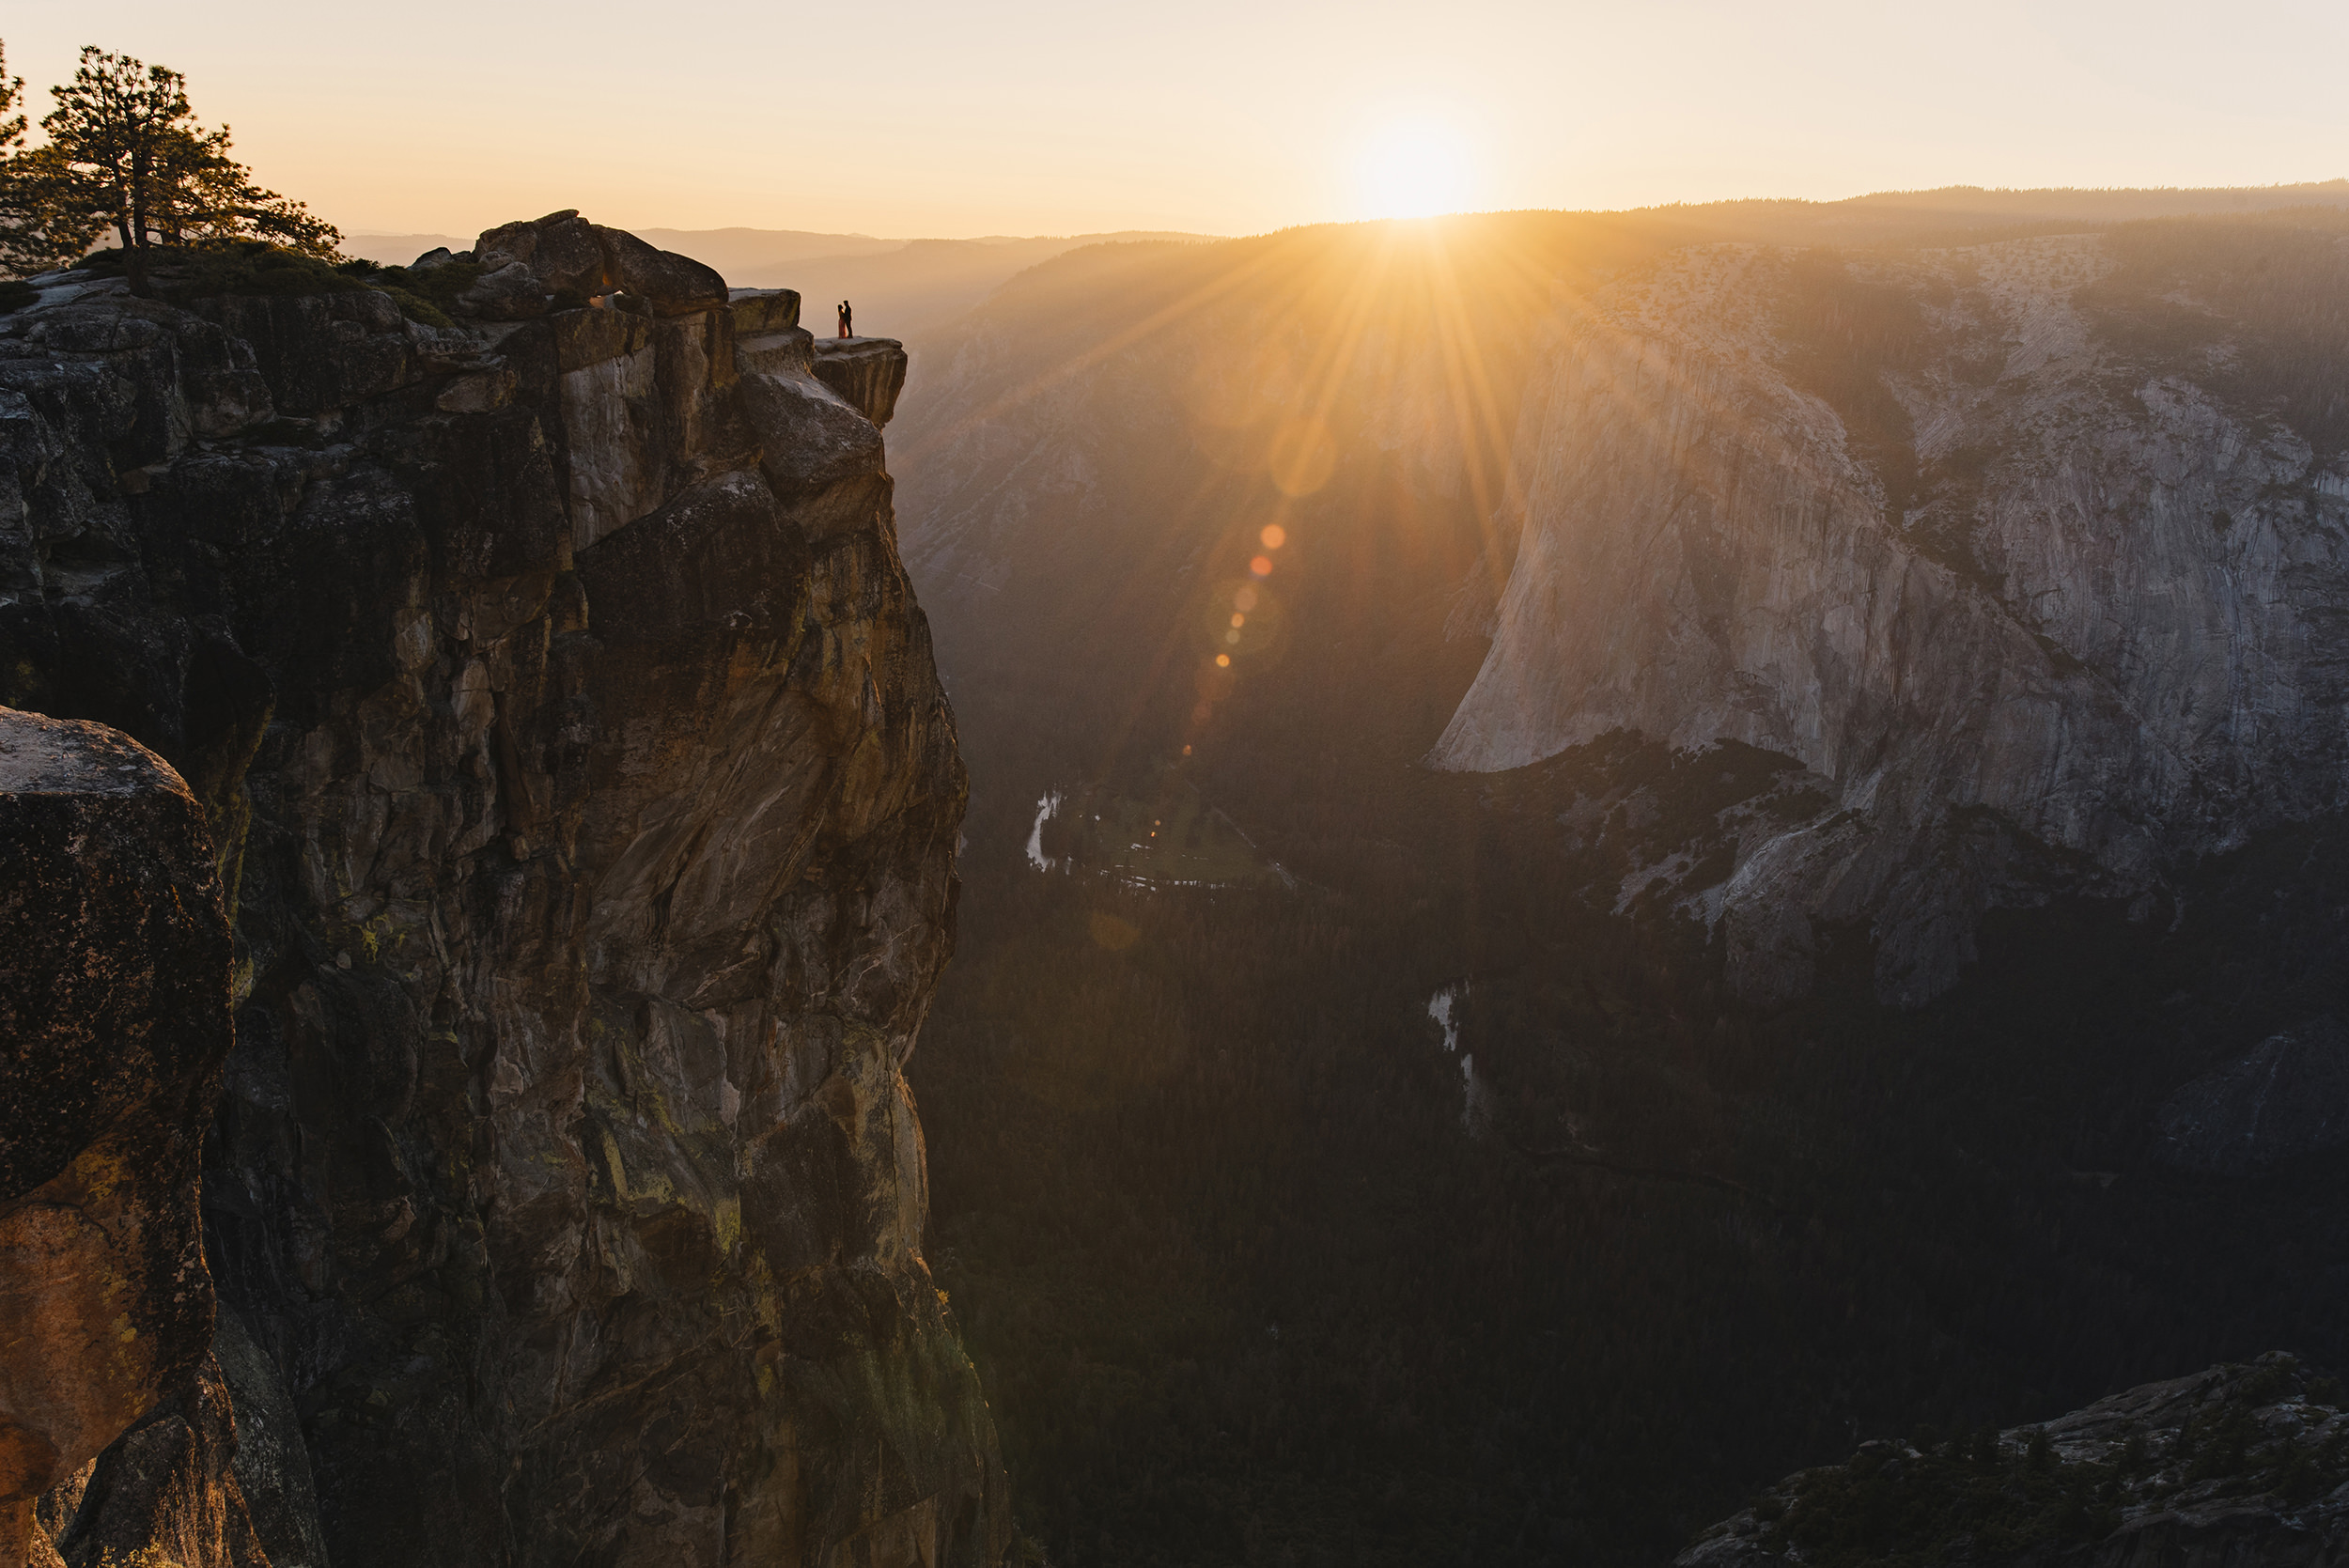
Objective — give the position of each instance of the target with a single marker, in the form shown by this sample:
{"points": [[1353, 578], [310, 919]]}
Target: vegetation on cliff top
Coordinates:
{"points": [[124, 155], [255, 267]]}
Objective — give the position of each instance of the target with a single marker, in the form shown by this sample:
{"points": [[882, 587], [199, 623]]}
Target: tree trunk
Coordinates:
{"points": [[135, 237]]}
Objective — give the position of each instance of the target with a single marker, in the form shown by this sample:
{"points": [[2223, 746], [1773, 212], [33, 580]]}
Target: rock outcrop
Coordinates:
{"points": [[867, 372], [2237, 1464], [114, 1011], [587, 804]]}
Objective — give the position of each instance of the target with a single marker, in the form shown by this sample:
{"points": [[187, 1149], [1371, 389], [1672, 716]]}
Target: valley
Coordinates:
{"points": [[1780, 675]]}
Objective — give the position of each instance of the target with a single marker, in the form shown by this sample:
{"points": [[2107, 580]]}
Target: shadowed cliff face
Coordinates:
{"points": [[590, 805]]}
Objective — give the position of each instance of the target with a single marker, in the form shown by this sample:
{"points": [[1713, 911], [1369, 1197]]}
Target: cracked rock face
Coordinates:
{"points": [[588, 804], [114, 1011]]}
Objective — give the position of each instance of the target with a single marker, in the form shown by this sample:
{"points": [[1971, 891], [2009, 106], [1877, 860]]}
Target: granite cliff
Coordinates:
{"points": [[2038, 606], [558, 725]]}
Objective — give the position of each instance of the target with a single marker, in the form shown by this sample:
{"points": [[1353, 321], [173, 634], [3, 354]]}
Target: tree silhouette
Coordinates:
{"points": [[35, 233], [125, 153]]}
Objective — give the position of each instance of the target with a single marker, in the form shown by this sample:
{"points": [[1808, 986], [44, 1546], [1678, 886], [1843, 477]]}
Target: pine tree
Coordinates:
{"points": [[125, 153], [34, 234]]}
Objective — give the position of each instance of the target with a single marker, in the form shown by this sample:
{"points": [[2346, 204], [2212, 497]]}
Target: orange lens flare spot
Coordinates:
{"points": [[1261, 565], [1245, 600], [1224, 661], [1239, 620], [1274, 535], [1113, 933]]}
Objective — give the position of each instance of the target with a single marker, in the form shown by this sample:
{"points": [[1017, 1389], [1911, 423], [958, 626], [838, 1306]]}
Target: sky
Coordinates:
{"points": [[954, 118]]}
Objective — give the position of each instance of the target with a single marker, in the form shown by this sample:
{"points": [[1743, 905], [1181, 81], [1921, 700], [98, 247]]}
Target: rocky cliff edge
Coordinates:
{"points": [[585, 800]]}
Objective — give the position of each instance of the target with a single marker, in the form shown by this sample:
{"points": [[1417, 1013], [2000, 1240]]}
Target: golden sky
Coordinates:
{"points": [[1055, 116]]}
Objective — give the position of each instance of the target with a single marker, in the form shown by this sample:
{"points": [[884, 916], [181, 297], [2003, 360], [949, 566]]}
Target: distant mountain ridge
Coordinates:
{"points": [[910, 288]]}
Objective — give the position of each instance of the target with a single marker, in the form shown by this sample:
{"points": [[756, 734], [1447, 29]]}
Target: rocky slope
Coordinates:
{"points": [[586, 804], [2240, 1464]]}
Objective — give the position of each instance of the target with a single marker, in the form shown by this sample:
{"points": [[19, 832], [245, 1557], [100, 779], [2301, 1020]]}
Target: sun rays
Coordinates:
{"points": [[1291, 367]]}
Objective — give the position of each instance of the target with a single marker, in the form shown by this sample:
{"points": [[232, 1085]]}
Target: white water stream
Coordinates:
{"points": [[1476, 1095], [1046, 806]]}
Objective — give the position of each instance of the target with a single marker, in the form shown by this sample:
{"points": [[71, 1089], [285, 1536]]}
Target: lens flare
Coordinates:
{"points": [[1274, 535]]}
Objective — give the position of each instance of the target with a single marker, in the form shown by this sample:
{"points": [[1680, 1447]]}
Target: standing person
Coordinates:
{"points": [[848, 319]]}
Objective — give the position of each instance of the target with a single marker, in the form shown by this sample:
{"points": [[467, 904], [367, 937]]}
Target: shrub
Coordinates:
{"points": [[436, 287], [255, 267]]}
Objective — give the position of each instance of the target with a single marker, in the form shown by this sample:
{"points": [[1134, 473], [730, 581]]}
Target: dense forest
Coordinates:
{"points": [[1248, 1286]]}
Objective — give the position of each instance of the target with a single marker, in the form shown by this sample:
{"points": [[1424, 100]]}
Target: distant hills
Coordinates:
{"points": [[1901, 214], [907, 289], [902, 289]]}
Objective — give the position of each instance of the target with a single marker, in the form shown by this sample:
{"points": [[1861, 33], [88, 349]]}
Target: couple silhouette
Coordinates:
{"points": [[847, 320]]}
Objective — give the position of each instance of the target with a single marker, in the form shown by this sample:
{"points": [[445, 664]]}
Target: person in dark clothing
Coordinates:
{"points": [[848, 319]]}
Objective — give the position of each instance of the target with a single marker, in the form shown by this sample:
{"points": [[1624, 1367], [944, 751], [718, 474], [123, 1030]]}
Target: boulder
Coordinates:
{"points": [[674, 284], [509, 293], [113, 1007], [764, 310], [564, 253]]}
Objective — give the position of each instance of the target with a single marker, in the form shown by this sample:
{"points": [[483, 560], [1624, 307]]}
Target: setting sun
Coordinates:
{"points": [[1414, 169]]}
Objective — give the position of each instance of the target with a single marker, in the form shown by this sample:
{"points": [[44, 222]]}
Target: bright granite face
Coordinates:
{"points": [[2090, 599]]}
